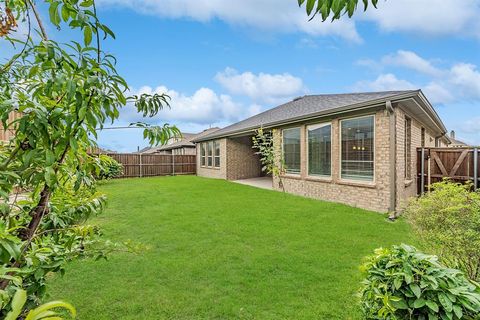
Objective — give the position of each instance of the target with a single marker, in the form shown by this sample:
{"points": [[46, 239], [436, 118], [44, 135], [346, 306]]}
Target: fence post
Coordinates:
{"points": [[173, 163], [422, 178], [475, 168], [141, 166]]}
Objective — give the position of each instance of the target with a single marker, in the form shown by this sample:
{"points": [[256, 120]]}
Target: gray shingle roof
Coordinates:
{"points": [[305, 107]]}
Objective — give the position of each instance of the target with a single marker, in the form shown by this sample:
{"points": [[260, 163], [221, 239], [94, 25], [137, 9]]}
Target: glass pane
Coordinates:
{"points": [[319, 150], [217, 148], [291, 150], [202, 149], [217, 162], [358, 148], [210, 153]]}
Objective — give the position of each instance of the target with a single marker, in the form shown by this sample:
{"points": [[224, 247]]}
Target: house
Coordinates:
{"points": [[456, 143], [183, 146], [358, 148]]}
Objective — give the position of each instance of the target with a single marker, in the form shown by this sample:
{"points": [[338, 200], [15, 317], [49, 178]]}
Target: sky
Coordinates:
{"points": [[223, 61]]}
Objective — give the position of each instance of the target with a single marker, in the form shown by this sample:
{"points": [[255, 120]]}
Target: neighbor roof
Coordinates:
{"points": [[308, 107], [186, 141]]}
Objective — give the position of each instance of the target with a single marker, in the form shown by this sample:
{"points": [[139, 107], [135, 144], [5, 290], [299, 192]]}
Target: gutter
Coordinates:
{"points": [[392, 156]]}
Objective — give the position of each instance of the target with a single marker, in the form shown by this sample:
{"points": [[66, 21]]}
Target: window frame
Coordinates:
{"points": [[319, 125], [358, 181], [299, 128]]}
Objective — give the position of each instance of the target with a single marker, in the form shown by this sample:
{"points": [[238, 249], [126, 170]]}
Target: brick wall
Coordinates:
{"points": [[237, 160], [219, 173], [242, 162], [372, 196], [408, 188]]}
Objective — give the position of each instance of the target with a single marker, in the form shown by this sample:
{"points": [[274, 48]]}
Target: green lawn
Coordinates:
{"points": [[219, 250]]}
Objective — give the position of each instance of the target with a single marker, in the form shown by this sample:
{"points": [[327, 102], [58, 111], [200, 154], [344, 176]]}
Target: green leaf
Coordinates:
{"points": [[65, 13], [432, 305], [87, 35], [419, 303], [458, 312], [53, 12], [310, 6], [445, 302], [17, 304], [50, 176], [416, 290]]}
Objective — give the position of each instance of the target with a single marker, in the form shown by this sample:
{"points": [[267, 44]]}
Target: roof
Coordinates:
{"points": [[310, 106], [185, 142], [456, 142]]}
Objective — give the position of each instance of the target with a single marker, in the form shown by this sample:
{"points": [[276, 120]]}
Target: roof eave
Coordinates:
{"points": [[340, 110]]}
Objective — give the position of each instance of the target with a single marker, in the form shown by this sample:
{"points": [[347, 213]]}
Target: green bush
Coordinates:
{"points": [[403, 283], [108, 168], [447, 221]]}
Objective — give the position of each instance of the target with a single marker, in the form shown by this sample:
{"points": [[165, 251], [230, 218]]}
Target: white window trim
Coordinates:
{"points": [[283, 154], [357, 181], [317, 126]]}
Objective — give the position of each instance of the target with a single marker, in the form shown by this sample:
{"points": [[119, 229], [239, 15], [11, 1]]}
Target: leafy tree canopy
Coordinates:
{"points": [[333, 8]]}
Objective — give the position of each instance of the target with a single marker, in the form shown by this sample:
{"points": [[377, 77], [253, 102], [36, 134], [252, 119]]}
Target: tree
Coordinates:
{"points": [[269, 156], [333, 8], [64, 93]]}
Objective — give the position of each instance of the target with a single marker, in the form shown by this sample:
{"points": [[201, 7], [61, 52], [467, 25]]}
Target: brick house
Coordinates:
{"points": [[358, 149]]}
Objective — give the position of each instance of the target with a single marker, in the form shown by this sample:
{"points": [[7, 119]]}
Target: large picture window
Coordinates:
{"points": [[217, 154], [320, 150], [203, 154], [358, 136], [291, 150]]}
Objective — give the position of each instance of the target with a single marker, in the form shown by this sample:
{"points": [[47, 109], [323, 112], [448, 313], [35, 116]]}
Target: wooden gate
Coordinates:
{"points": [[458, 164]]}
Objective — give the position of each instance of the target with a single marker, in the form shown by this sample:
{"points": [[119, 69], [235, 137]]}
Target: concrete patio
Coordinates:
{"points": [[259, 182]]}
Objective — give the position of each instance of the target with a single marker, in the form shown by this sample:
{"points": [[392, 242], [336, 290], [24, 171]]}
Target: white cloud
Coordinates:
{"points": [[428, 17], [384, 82], [263, 87], [411, 60], [459, 82], [269, 15], [202, 107], [467, 78]]}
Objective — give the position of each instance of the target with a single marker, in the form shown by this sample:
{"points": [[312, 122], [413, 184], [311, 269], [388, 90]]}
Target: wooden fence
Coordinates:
{"points": [[150, 165], [457, 164]]}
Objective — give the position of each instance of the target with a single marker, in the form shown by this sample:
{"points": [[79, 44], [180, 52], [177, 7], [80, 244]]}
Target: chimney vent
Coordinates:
{"points": [[452, 134]]}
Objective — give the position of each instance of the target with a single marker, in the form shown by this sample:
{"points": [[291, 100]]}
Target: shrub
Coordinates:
{"points": [[402, 283], [447, 220], [108, 168]]}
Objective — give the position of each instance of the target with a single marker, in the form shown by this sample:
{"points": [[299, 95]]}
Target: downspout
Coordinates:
{"points": [[393, 158]]}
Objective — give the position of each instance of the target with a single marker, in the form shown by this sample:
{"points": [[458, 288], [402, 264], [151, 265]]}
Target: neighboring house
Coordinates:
{"points": [[456, 143], [183, 146], [6, 135], [358, 149], [155, 150]]}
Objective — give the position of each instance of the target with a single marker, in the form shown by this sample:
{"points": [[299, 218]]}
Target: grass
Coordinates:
{"points": [[220, 250]]}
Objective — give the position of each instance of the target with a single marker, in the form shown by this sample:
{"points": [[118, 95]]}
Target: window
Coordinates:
{"points": [[210, 153], [423, 137], [408, 148], [357, 157], [217, 154], [320, 150], [203, 152], [291, 150]]}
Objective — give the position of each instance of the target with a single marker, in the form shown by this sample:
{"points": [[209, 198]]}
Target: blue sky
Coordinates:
{"points": [[222, 61]]}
